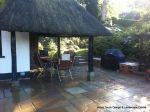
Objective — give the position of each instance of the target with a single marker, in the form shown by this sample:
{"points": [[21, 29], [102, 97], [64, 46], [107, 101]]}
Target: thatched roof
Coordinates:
{"points": [[55, 17]]}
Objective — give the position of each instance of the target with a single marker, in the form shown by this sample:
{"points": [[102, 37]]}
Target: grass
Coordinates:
{"points": [[82, 52]]}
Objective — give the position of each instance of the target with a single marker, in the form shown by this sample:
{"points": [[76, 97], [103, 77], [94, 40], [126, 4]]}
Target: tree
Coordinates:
{"points": [[133, 15], [92, 7], [146, 17], [104, 10], [101, 9]]}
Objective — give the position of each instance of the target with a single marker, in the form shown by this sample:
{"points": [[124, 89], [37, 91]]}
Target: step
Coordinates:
{"points": [[83, 63], [82, 60]]}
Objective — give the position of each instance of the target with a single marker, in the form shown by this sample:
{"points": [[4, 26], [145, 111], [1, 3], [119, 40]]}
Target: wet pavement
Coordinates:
{"points": [[109, 92]]}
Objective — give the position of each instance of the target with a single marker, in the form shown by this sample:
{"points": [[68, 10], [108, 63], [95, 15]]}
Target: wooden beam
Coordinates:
{"points": [[14, 60], [90, 59], [33, 48], [61, 35]]}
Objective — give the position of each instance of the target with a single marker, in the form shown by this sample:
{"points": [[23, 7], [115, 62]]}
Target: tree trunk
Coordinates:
{"points": [[104, 10]]}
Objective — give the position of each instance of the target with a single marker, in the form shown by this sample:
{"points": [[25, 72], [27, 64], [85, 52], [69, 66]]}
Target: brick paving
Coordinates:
{"points": [[109, 92]]}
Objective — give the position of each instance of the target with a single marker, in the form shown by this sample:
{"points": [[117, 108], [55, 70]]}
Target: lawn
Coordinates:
{"points": [[82, 52]]}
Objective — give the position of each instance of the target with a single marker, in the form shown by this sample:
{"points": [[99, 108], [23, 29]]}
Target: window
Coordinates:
{"points": [[1, 56]]}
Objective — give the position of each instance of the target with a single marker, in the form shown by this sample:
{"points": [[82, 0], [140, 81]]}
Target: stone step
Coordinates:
{"points": [[82, 60], [83, 63]]}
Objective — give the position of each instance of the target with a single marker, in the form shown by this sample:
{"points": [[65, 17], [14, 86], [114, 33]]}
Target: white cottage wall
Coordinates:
{"points": [[6, 62], [22, 51]]}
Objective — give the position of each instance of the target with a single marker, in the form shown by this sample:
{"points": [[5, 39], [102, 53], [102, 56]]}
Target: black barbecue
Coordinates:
{"points": [[112, 58]]}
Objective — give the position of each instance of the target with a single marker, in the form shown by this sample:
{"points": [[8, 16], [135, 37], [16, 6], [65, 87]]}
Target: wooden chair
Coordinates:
{"points": [[41, 67], [68, 57], [64, 65]]}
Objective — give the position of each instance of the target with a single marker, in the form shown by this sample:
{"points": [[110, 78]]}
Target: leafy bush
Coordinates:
{"points": [[123, 22], [2, 2], [117, 41], [82, 52], [67, 44], [83, 43], [146, 53], [40, 46], [52, 49]]}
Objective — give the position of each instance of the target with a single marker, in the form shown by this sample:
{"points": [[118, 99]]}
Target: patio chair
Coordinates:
{"points": [[68, 57], [41, 67], [64, 65]]}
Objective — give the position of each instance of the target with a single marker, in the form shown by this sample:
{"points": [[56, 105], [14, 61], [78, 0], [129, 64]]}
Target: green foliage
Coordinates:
{"points": [[117, 41], [139, 28], [82, 52], [40, 46], [67, 44], [52, 49], [93, 7], [131, 50], [145, 52], [100, 45], [83, 43], [131, 29], [146, 17], [141, 6], [48, 44], [122, 22], [133, 15], [2, 2], [70, 44]]}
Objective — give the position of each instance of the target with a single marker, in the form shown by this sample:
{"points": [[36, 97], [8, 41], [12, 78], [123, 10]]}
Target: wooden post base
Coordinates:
{"points": [[90, 76]]}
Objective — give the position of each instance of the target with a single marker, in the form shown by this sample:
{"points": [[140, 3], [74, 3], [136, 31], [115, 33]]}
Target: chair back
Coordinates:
{"points": [[65, 57], [64, 64], [43, 53], [37, 60]]}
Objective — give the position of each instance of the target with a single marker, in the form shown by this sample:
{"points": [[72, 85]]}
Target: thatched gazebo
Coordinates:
{"points": [[52, 18]]}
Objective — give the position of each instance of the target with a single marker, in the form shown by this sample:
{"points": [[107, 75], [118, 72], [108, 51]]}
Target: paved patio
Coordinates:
{"points": [[109, 92]]}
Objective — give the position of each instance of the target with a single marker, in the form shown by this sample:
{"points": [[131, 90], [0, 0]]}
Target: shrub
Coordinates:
{"points": [[82, 52], [117, 41]]}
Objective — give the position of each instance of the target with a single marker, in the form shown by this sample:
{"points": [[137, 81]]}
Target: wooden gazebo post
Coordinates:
{"points": [[15, 82], [13, 51], [58, 47], [90, 75]]}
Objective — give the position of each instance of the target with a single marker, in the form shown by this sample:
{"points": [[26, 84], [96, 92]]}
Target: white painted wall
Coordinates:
{"points": [[22, 51], [6, 63]]}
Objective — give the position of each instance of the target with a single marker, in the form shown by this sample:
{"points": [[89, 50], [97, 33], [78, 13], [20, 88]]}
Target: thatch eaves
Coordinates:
{"points": [[55, 17]]}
